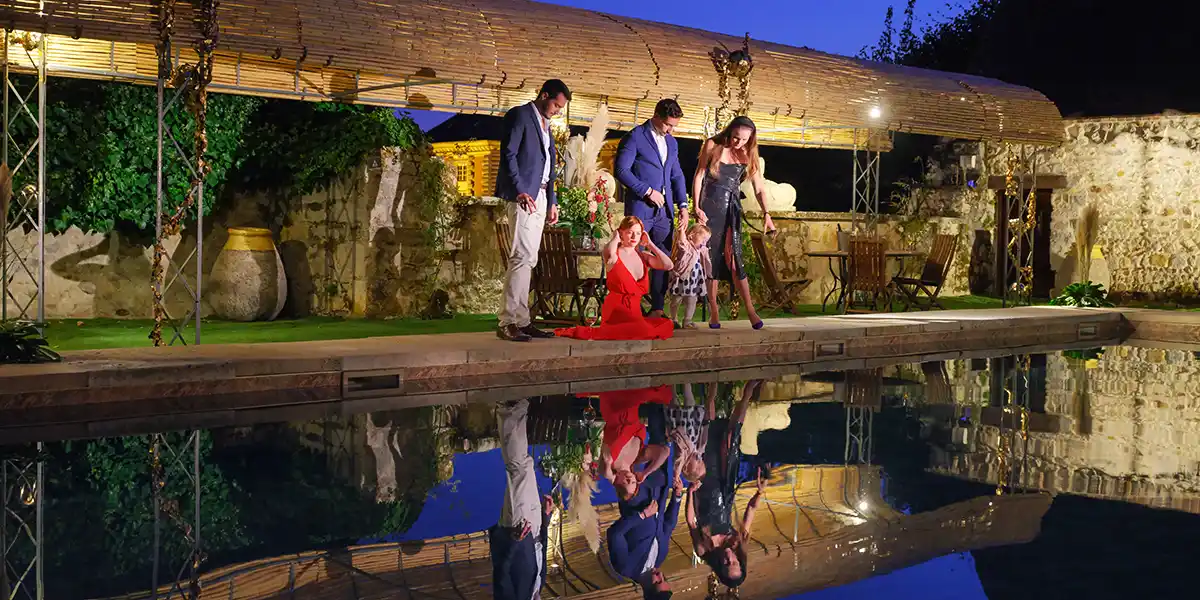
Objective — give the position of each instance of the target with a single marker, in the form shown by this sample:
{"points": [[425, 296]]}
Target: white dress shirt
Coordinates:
{"points": [[544, 125], [650, 560], [660, 140]]}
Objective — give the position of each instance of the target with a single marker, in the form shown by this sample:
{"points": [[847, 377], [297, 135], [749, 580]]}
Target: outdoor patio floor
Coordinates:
{"points": [[97, 392]]}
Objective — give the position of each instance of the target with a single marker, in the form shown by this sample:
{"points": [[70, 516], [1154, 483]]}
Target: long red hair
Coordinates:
{"points": [[749, 152], [629, 222]]}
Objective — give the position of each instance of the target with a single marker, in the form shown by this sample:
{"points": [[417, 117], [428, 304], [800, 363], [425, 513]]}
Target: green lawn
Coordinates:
{"points": [[91, 334]]}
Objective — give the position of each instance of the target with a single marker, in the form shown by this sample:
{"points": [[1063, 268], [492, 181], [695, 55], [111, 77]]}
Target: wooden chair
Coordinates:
{"points": [[866, 274], [504, 241], [922, 292], [556, 279], [782, 290]]}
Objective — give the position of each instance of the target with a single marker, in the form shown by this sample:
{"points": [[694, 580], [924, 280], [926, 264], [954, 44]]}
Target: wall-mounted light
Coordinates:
{"points": [[863, 506]]}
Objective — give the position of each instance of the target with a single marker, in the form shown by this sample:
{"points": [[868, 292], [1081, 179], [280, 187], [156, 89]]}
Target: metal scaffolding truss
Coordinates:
{"points": [[864, 200], [1020, 210], [1012, 444], [339, 232], [171, 220], [860, 422], [22, 264], [176, 574], [21, 555]]}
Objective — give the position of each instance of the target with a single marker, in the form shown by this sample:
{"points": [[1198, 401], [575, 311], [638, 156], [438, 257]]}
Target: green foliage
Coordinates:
{"points": [[888, 49], [566, 458], [100, 513], [1085, 354], [573, 213], [23, 342], [290, 500], [1084, 294], [437, 206], [102, 152], [101, 162], [294, 148]]}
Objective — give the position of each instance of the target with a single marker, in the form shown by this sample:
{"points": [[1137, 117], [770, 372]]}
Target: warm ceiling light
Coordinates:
{"points": [[875, 112]]}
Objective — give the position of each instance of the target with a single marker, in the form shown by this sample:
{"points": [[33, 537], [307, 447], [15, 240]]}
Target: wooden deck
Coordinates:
{"points": [[109, 392]]}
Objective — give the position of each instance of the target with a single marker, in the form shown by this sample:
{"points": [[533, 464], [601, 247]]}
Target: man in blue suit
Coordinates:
{"points": [[638, 542], [518, 541], [647, 165], [526, 181]]}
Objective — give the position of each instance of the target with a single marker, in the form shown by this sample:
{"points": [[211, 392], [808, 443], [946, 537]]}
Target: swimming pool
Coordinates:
{"points": [[1059, 474]]}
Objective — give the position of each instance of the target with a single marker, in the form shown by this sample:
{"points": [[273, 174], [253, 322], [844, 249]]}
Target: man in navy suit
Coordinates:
{"points": [[647, 165], [526, 181], [518, 541], [638, 542]]}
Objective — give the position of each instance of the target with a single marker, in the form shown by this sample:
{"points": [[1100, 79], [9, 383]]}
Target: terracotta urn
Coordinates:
{"points": [[247, 281]]}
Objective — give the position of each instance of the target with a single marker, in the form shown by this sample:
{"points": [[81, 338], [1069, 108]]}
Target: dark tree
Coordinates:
{"points": [[1090, 57]]}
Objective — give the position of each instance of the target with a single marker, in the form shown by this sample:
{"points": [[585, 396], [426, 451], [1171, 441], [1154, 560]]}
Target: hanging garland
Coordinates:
{"points": [[737, 64], [194, 80]]}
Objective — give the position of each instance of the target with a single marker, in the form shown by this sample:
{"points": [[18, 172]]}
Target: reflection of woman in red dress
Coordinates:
{"points": [[628, 280]]}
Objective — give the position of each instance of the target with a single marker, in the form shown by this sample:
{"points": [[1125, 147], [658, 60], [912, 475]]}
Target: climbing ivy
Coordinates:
{"points": [[101, 153], [102, 150], [295, 148]]}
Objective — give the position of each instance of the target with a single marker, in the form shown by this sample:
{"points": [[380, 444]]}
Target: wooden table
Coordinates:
{"points": [[841, 256]]}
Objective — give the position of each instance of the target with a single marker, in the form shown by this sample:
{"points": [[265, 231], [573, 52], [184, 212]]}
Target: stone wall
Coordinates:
{"points": [[1134, 412], [358, 248], [350, 249], [1143, 174]]}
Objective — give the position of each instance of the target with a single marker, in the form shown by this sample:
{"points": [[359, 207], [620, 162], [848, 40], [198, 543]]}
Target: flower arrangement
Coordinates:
{"points": [[574, 466], [585, 196]]}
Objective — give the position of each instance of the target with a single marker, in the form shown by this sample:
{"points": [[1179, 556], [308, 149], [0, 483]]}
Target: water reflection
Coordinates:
{"points": [[640, 492], [518, 541]]}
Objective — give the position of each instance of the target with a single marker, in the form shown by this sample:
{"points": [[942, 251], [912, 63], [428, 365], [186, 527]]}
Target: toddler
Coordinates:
{"points": [[689, 278]]}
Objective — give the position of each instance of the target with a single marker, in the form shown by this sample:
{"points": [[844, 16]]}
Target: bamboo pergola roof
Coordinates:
{"points": [[485, 56], [806, 537]]}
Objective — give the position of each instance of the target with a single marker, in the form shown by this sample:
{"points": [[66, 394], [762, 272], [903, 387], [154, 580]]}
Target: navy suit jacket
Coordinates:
{"points": [[514, 564], [639, 169], [629, 539], [522, 157]]}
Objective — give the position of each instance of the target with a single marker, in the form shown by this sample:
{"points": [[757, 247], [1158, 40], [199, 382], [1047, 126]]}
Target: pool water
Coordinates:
{"points": [[1071, 474]]}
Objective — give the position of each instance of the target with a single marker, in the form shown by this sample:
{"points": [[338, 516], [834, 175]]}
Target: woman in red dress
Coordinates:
{"points": [[628, 257]]}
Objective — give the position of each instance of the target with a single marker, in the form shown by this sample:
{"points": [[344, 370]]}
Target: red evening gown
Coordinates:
{"points": [[621, 316], [619, 410]]}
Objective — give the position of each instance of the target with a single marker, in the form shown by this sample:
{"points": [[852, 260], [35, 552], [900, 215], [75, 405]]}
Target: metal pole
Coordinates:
{"points": [[194, 559], [41, 195], [4, 159], [39, 555], [199, 247], [5, 591], [154, 482], [158, 197], [874, 217], [854, 183]]}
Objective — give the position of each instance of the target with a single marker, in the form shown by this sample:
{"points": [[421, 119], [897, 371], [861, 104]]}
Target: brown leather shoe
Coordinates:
{"points": [[536, 333], [512, 333]]}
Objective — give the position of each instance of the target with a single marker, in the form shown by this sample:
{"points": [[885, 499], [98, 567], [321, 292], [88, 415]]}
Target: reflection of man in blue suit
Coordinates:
{"points": [[647, 165], [518, 541], [638, 542]]}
